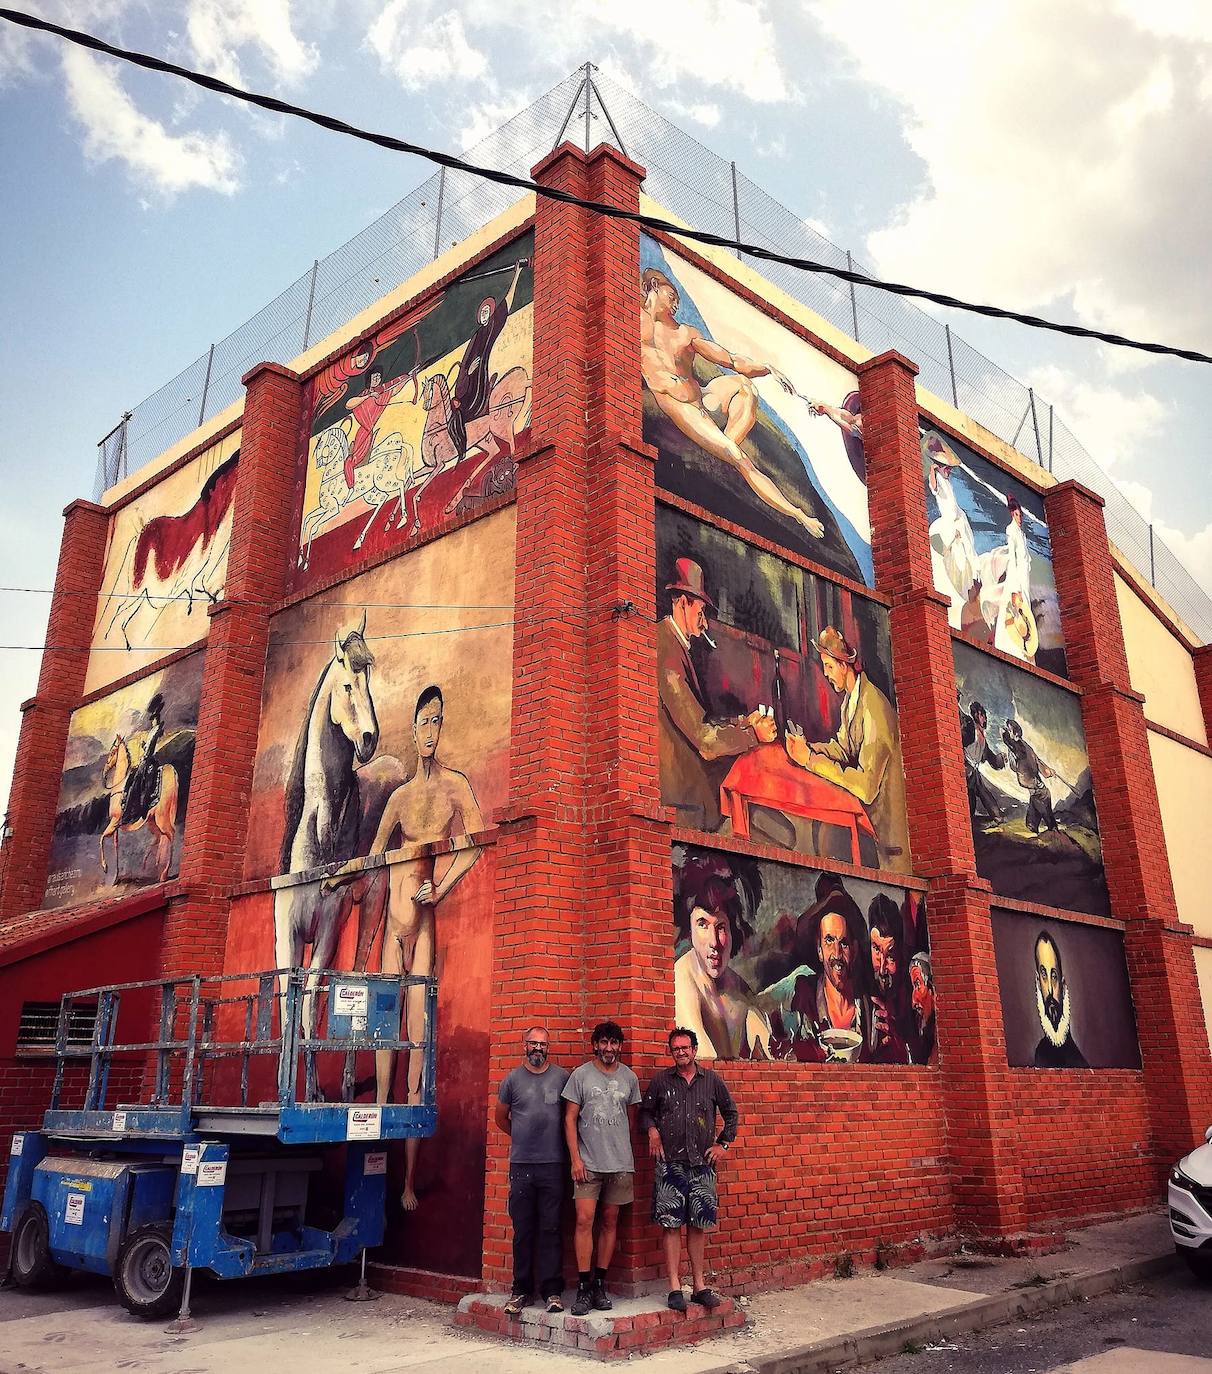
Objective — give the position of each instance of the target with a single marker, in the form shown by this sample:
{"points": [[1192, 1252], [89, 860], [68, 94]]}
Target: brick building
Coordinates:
{"points": [[484, 485]]}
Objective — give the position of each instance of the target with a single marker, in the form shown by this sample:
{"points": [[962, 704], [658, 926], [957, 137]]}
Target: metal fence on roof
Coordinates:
{"points": [[700, 188]]}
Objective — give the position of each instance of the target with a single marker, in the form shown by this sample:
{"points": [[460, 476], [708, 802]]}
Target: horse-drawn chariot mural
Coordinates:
{"points": [[165, 564], [420, 421], [122, 799]]}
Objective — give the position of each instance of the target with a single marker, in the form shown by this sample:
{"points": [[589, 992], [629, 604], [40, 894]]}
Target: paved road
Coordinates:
{"points": [[1144, 1329]]}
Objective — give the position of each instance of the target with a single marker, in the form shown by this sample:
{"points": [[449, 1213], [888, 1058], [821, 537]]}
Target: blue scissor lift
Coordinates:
{"points": [[196, 1146]]}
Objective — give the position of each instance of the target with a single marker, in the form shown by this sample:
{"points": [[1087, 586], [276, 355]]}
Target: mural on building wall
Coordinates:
{"points": [[122, 800], [777, 715], [750, 421], [1066, 998], [420, 420], [1034, 823], [385, 731], [165, 563], [779, 962], [991, 552]]}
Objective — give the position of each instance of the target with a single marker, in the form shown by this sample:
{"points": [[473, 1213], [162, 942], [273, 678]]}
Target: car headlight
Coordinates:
{"points": [[1180, 1180]]}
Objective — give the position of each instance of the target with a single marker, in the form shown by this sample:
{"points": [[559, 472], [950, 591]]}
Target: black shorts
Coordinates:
{"points": [[684, 1195]]}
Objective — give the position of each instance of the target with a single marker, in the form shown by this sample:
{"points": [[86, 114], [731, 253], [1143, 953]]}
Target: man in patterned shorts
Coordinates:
{"points": [[679, 1113]]}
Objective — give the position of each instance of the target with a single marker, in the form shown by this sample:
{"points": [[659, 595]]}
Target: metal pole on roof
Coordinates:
{"points": [[1152, 560], [736, 208], [210, 362], [1039, 448], [618, 138], [853, 297], [951, 368], [588, 84], [311, 300], [437, 229], [1021, 423], [1050, 415], [559, 138]]}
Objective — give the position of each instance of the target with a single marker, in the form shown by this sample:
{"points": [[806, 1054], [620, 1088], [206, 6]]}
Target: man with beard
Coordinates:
{"points": [[1057, 1049], [830, 1012], [886, 1036], [600, 1099], [529, 1111], [1030, 770], [922, 1031]]}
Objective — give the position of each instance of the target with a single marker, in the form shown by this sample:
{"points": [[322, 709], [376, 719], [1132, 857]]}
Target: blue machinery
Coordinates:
{"points": [[209, 1162]]}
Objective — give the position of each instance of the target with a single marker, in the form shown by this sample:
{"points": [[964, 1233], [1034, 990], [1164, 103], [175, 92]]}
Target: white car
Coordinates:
{"points": [[1190, 1199]]}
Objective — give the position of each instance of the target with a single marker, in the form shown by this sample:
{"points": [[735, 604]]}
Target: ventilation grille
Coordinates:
{"points": [[40, 1021]]}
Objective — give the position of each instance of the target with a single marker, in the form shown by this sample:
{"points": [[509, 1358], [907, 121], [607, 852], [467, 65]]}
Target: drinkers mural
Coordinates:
{"points": [[165, 564], [991, 553], [420, 420], [384, 746], [777, 715], [1034, 823], [776, 962], [750, 421], [122, 800], [1066, 998]]}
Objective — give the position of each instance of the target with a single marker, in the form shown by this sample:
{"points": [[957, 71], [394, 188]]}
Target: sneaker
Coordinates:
{"points": [[677, 1301], [706, 1298], [583, 1301], [599, 1296], [515, 1304], [555, 1303]]}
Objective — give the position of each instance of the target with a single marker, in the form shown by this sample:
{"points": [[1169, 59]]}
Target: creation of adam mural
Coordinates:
{"points": [[165, 564], [1034, 823], [384, 746], [777, 716], [991, 553], [779, 962], [750, 421], [1066, 997], [421, 420], [122, 799]]}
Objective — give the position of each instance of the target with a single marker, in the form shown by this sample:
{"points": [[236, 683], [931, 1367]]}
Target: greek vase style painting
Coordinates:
{"points": [[750, 421], [1034, 822], [991, 553], [420, 421], [122, 799], [165, 565], [1066, 998], [777, 713], [779, 962]]}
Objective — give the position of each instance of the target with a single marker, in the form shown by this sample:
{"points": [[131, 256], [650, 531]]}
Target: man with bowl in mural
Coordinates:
{"points": [[718, 416]]}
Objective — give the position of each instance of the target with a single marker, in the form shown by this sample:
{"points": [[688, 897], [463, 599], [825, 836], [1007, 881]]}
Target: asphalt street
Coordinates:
{"points": [[1140, 1328]]}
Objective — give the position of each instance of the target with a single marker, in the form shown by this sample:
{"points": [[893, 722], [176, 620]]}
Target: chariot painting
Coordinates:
{"points": [[420, 421]]}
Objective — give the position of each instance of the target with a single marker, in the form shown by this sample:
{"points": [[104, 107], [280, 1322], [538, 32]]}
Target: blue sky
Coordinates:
{"points": [[1048, 157]]}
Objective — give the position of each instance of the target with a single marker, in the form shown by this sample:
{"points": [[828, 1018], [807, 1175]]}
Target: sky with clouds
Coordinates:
{"points": [[1050, 157]]}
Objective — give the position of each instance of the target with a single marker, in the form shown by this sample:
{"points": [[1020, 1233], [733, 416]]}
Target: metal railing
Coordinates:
{"points": [[700, 188]]}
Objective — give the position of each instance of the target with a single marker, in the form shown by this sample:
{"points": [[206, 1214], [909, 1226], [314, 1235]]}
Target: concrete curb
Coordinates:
{"points": [[876, 1342]]}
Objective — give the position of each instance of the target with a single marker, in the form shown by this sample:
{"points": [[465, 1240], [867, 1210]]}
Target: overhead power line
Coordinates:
{"points": [[399, 145]]}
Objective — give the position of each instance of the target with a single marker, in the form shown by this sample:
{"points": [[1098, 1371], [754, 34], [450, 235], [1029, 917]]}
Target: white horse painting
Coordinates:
{"points": [[377, 481]]}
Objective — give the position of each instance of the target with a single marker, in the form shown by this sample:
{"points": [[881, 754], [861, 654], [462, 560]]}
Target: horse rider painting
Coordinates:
{"points": [[474, 383], [140, 794]]}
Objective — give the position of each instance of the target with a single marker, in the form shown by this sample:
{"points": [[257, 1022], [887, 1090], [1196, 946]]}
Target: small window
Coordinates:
{"points": [[40, 1021]]}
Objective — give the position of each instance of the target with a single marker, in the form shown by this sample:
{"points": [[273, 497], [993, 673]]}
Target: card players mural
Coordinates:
{"points": [[1034, 823], [421, 420], [1066, 998], [991, 553], [125, 787], [749, 420], [776, 962], [777, 717]]}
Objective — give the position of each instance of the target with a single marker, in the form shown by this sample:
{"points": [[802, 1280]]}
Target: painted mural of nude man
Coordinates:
{"points": [[720, 415], [436, 803]]}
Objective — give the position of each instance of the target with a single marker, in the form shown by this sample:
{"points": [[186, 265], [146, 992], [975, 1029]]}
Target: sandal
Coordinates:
{"points": [[555, 1303]]}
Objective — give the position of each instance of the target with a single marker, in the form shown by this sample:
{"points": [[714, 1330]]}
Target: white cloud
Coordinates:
{"points": [[1116, 426], [421, 47], [703, 112], [219, 29], [485, 117], [1193, 550], [1062, 148], [115, 129]]}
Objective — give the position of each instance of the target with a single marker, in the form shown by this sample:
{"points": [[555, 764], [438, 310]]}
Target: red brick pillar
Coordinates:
{"points": [[540, 858], [213, 860], [1173, 1036], [45, 717], [1203, 681], [985, 1176]]}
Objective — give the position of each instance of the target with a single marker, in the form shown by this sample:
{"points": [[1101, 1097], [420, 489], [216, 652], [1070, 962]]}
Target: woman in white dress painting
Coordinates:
{"points": [[952, 547], [1006, 590]]}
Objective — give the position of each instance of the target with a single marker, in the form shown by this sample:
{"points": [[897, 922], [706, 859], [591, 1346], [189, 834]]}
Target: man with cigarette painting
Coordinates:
{"points": [[690, 740]]}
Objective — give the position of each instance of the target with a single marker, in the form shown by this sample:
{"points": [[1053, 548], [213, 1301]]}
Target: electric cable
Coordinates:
{"points": [[652, 222]]}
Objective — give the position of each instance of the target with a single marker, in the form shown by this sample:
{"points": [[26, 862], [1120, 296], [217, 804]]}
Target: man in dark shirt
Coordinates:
{"points": [[679, 1114], [531, 1112]]}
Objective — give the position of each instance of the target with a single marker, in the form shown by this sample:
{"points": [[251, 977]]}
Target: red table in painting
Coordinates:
{"points": [[765, 776]]}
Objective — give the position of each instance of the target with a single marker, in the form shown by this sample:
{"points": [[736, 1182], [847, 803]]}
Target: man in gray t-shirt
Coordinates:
{"points": [[530, 1109], [600, 1101]]}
